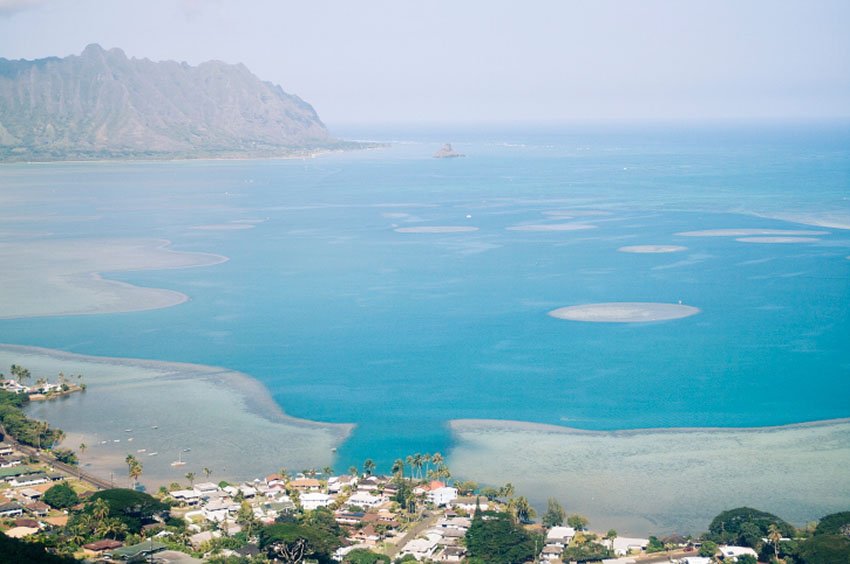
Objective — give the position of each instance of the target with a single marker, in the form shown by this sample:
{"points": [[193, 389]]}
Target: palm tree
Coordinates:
{"points": [[774, 536], [437, 459], [77, 535], [410, 462], [100, 509], [191, 477], [135, 471], [207, 472], [327, 471], [130, 461], [610, 536], [82, 448], [368, 466], [426, 459], [507, 490], [418, 461], [398, 469], [353, 470], [521, 509]]}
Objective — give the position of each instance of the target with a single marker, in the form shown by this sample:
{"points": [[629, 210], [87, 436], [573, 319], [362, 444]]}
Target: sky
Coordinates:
{"points": [[484, 61]]}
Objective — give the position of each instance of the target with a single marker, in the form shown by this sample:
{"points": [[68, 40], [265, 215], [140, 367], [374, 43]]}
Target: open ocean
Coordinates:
{"points": [[346, 320]]}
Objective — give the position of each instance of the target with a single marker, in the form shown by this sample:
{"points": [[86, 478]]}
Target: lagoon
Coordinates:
{"points": [[348, 298]]}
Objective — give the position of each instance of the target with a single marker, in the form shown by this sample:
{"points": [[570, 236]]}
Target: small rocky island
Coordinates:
{"points": [[446, 152]]}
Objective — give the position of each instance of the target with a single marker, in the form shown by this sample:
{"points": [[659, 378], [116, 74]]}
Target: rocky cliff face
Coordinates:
{"points": [[102, 104]]}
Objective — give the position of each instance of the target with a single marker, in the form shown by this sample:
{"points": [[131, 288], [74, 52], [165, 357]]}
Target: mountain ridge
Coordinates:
{"points": [[101, 104]]}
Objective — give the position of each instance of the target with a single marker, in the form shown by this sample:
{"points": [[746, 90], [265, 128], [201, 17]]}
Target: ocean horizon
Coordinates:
{"points": [[397, 292]]}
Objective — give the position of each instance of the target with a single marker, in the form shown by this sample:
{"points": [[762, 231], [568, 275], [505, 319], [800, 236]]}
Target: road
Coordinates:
{"points": [[413, 532], [45, 456]]}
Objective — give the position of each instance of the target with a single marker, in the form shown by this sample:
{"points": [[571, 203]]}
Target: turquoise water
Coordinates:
{"points": [[346, 320]]}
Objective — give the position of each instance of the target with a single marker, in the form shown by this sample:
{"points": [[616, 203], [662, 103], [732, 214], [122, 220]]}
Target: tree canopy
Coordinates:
{"points": [[495, 538], [834, 524], [825, 549], [129, 506], [317, 543], [60, 496], [745, 526], [555, 514], [363, 556]]}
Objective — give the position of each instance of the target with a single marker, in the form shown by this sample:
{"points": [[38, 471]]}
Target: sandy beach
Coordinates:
{"points": [[227, 420], [62, 277], [657, 481], [624, 312]]}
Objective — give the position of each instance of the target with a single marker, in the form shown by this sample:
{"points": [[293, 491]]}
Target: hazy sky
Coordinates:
{"points": [[362, 61]]}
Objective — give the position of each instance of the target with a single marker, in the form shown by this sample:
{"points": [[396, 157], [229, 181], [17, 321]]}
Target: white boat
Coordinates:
{"points": [[152, 453], [142, 450], [179, 461]]}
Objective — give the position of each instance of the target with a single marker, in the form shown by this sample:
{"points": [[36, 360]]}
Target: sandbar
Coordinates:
{"points": [[567, 214], [658, 481], [224, 226], [61, 277], [437, 229], [651, 249], [227, 419], [624, 312], [750, 232], [552, 227], [777, 239]]}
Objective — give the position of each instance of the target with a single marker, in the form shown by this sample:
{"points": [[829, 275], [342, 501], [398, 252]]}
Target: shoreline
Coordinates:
{"points": [[662, 480], [229, 419]]}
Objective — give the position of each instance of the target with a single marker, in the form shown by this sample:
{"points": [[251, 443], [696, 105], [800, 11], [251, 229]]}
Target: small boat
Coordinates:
{"points": [[128, 430], [116, 440], [187, 450], [142, 450], [152, 453], [178, 463], [130, 439], [103, 442], [155, 427]]}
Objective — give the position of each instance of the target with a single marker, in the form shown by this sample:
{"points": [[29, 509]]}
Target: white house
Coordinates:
{"points": [[206, 488], [314, 500], [441, 496], [422, 548], [623, 546], [337, 483], [364, 499], [190, 497], [29, 480], [695, 560], [217, 510], [469, 504], [731, 553], [560, 536]]}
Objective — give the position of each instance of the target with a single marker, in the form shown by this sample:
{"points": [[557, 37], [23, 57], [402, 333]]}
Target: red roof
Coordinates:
{"points": [[105, 544]]}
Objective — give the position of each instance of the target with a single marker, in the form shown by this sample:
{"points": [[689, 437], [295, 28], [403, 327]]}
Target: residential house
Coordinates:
{"points": [[560, 536], [337, 483], [731, 553], [314, 500], [305, 485], [98, 548], [441, 496], [365, 500], [623, 546]]}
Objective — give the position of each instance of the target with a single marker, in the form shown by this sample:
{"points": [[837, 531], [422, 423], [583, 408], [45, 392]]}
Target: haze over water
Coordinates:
{"points": [[346, 320]]}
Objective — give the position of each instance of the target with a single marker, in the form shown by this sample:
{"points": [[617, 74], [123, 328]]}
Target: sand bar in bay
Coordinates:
{"points": [[437, 229], [552, 227], [227, 420], [624, 312], [660, 481], [61, 277], [769, 240], [652, 249], [751, 233]]}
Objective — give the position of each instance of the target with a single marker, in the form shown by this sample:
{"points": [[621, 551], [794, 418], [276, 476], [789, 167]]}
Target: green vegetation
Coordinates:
{"points": [[362, 556], [825, 549], [14, 550], [654, 545], [834, 524], [291, 542], [60, 496], [22, 428], [132, 508], [496, 539], [745, 526], [555, 515]]}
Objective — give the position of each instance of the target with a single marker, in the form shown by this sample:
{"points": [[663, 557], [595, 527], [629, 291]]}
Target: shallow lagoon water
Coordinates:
{"points": [[346, 320]]}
